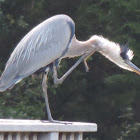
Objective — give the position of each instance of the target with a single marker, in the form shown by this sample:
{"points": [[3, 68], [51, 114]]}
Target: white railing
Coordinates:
{"points": [[42, 130]]}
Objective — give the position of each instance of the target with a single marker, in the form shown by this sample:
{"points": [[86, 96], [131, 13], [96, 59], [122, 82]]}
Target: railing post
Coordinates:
{"points": [[71, 136], [34, 136], [49, 136], [10, 136], [63, 136], [18, 136], [1, 136], [79, 136]]}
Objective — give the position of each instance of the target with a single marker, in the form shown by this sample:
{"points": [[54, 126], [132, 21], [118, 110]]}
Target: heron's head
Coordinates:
{"points": [[127, 55], [120, 55]]}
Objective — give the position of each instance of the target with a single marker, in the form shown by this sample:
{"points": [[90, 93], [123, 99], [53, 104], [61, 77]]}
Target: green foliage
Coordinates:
{"points": [[22, 23], [106, 95]]}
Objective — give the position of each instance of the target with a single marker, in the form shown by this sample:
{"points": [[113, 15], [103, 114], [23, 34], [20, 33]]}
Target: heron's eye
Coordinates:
{"points": [[124, 55]]}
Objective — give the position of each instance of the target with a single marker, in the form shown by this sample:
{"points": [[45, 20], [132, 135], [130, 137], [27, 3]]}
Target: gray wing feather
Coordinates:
{"points": [[40, 47]]}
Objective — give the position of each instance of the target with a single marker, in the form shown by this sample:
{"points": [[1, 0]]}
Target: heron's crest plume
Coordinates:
{"points": [[126, 53]]}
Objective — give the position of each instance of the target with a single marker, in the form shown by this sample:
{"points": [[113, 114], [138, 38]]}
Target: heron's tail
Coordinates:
{"points": [[9, 84], [2, 88], [7, 81]]}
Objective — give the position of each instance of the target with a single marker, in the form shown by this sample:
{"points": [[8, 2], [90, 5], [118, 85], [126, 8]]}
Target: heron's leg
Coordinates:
{"points": [[86, 65], [44, 86], [82, 58], [85, 61]]}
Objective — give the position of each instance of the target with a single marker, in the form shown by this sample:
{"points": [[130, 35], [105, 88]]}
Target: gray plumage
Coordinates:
{"points": [[40, 47]]}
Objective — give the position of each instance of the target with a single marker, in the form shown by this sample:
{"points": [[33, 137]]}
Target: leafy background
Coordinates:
{"points": [[106, 95]]}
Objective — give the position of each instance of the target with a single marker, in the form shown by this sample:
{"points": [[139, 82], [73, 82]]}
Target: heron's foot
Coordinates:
{"points": [[86, 66], [56, 121]]}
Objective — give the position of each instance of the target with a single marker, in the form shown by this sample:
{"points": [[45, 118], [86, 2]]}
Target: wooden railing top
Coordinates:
{"points": [[12, 125]]}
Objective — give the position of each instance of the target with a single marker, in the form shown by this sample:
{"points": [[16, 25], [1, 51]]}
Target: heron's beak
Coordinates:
{"points": [[132, 67]]}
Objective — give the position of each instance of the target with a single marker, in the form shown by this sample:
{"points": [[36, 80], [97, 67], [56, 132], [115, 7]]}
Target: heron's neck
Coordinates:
{"points": [[78, 48]]}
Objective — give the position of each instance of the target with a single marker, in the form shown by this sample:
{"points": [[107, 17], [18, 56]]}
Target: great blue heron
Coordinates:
{"points": [[49, 42]]}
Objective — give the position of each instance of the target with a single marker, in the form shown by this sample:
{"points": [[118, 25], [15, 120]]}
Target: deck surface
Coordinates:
{"points": [[12, 125]]}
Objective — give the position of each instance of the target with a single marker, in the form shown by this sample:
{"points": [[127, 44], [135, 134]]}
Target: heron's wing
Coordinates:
{"points": [[41, 46]]}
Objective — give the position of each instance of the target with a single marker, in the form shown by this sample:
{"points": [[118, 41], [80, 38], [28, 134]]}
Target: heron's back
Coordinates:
{"points": [[44, 44]]}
